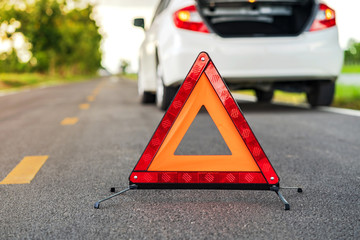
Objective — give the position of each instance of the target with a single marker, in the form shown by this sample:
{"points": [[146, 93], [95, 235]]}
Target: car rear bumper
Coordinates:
{"points": [[309, 56]]}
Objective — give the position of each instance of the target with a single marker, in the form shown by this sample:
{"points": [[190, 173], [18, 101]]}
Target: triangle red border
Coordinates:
{"points": [[204, 64]]}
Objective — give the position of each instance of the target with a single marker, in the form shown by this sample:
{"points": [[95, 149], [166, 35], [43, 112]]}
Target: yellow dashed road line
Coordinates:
{"points": [[69, 121], [84, 106], [95, 92], [25, 171], [91, 98]]}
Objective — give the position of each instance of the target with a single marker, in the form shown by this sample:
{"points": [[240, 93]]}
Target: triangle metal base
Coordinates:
{"points": [[274, 188]]}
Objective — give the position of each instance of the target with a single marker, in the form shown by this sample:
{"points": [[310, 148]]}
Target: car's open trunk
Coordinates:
{"points": [[236, 18]]}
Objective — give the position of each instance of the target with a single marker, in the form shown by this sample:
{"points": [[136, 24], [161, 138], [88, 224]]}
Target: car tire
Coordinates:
{"points": [[321, 93], [164, 94], [147, 97], [264, 96]]}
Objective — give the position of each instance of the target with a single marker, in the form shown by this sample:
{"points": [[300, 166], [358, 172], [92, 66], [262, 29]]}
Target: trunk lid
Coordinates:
{"points": [[262, 18]]}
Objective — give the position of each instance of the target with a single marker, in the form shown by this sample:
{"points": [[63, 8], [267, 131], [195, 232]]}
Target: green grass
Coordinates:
{"points": [[16, 81], [293, 98], [346, 96], [351, 69], [280, 96], [131, 76]]}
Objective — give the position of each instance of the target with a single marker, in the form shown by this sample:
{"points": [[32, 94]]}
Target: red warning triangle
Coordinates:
{"points": [[247, 167]]}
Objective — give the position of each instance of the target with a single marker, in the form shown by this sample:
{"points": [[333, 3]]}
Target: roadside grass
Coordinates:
{"points": [[346, 96], [131, 76], [281, 97], [351, 69], [15, 81], [287, 97]]}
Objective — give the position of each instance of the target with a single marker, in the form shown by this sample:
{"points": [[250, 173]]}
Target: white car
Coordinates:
{"points": [[291, 45]]}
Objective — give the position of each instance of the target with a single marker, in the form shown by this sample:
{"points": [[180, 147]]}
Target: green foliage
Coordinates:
{"points": [[352, 54], [60, 40], [124, 64], [14, 81]]}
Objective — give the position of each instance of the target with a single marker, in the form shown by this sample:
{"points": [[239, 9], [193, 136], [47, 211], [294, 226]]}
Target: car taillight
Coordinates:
{"points": [[189, 18], [325, 18]]}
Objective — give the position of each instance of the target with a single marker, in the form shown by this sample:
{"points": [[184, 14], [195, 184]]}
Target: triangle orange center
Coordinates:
{"points": [[202, 137], [240, 159]]}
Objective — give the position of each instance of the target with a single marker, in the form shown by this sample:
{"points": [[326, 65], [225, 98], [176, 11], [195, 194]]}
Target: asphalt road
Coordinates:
{"points": [[310, 148]]}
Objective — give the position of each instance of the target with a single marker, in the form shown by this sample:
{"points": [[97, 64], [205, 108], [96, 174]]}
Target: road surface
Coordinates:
{"points": [[349, 79], [93, 134]]}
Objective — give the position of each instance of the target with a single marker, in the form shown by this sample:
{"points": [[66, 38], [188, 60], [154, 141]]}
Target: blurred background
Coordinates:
{"points": [[44, 42]]}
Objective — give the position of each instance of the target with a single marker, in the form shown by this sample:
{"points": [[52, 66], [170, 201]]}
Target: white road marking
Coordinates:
{"points": [[342, 111]]}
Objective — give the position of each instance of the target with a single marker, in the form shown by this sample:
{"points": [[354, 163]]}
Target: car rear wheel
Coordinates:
{"points": [[264, 96], [321, 93], [164, 94]]}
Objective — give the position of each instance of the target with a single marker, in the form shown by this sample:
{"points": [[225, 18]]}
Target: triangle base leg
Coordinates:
{"points": [[286, 204], [276, 189], [299, 189], [97, 204]]}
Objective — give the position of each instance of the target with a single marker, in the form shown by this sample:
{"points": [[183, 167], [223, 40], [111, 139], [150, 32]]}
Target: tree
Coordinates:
{"points": [[352, 54], [60, 40], [124, 64]]}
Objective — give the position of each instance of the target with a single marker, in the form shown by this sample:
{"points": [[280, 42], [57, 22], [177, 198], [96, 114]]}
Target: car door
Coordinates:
{"points": [[148, 57]]}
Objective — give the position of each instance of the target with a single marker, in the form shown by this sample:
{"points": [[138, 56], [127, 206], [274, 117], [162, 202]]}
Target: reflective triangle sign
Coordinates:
{"points": [[247, 167]]}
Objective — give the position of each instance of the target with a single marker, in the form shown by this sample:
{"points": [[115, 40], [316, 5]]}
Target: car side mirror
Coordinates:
{"points": [[139, 22]]}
